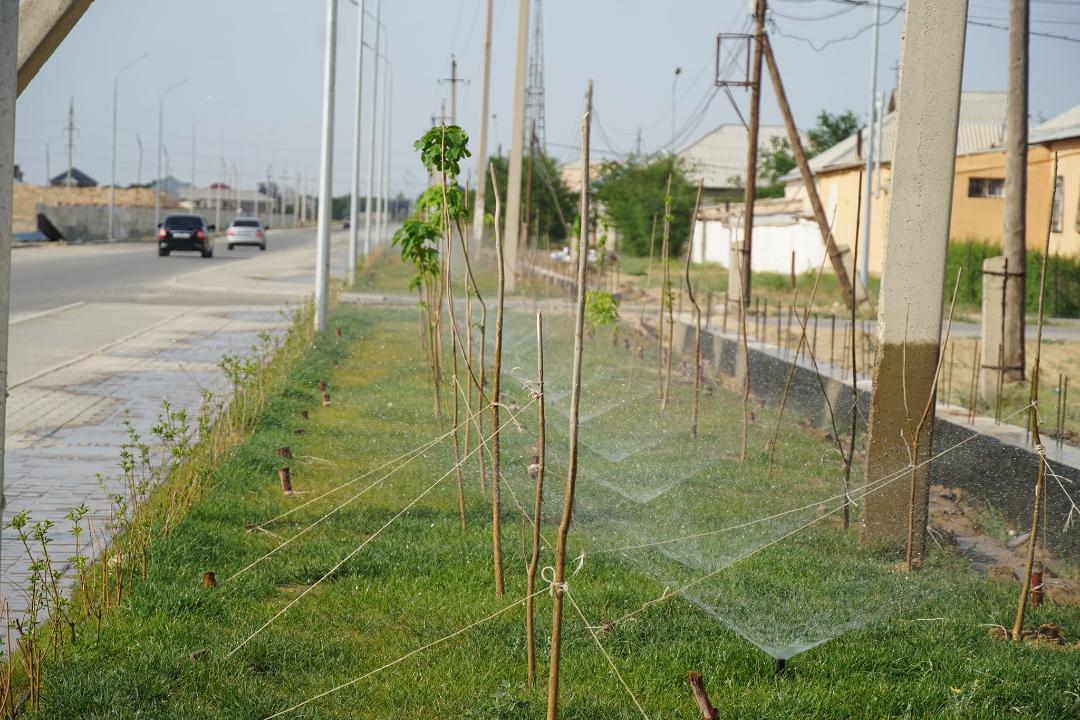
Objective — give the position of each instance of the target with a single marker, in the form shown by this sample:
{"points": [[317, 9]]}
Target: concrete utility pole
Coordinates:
{"points": [[326, 173], [138, 171], [481, 150], [751, 158], [512, 228], [674, 87], [161, 148], [843, 282], [388, 94], [354, 197], [9, 42], [913, 274], [371, 135], [1016, 138], [115, 114], [69, 179], [194, 144], [869, 201], [454, 80]]}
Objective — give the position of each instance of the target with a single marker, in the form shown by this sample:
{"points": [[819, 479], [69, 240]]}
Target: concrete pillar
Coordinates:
{"points": [[913, 270], [512, 208], [9, 36], [990, 342]]}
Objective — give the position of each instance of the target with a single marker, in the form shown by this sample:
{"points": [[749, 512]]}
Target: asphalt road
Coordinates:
{"points": [[47, 277]]}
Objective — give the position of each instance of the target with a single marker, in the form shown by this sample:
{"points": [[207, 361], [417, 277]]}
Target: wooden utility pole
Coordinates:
{"points": [[752, 152], [517, 150], [1016, 131], [481, 151], [835, 257]]}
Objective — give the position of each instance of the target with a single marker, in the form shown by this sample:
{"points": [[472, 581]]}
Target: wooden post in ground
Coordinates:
{"points": [[538, 503], [496, 522], [836, 259], [1016, 182], [913, 272], [559, 584]]}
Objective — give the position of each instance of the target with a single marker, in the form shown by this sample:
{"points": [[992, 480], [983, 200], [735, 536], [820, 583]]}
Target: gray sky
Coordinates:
{"points": [[262, 62]]}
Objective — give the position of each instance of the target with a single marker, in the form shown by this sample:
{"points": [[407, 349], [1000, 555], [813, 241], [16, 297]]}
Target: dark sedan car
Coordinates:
{"points": [[185, 233]]}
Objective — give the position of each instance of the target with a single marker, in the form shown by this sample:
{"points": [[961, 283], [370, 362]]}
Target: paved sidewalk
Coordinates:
{"points": [[79, 368], [67, 426]]}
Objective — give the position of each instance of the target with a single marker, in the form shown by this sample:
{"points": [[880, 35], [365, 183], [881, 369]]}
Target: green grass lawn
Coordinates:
{"points": [[916, 647]]}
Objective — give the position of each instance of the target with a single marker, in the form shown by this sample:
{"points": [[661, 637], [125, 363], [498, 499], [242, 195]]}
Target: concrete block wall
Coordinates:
{"points": [[996, 464]]}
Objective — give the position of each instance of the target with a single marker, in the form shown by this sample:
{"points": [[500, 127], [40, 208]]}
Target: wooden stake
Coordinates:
{"points": [[558, 585], [697, 316], [665, 293], [1036, 437], [496, 526], [209, 579], [285, 476], [697, 685], [538, 503]]}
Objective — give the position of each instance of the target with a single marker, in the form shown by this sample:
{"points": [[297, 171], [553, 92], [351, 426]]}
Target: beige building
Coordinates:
{"points": [[978, 207]]}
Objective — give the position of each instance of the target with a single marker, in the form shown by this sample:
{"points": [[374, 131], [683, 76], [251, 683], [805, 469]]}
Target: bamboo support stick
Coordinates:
{"points": [[538, 503], [1040, 475], [558, 585], [697, 317], [496, 526]]}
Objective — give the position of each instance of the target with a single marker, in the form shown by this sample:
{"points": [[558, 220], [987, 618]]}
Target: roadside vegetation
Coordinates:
{"points": [[164, 650]]}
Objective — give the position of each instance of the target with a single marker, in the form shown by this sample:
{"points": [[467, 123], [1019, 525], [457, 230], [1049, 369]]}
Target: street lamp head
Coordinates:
{"points": [[678, 71]]}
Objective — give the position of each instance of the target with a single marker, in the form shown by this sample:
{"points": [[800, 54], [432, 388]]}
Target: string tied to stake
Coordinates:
{"points": [[548, 576]]}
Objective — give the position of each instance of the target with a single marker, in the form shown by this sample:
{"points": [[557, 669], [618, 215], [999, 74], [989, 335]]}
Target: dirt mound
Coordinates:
{"points": [[28, 197]]}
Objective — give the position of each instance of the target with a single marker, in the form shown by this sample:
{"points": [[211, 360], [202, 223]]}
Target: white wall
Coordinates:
{"points": [[774, 241]]}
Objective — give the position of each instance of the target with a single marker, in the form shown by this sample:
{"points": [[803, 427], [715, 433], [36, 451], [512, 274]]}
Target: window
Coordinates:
{"points": [[986, 187], [1057, 221], [183, 222], [246, 223]]}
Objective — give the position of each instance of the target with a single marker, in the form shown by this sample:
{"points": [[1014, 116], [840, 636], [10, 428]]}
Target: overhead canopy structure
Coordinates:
{"points": [[43, 25]]}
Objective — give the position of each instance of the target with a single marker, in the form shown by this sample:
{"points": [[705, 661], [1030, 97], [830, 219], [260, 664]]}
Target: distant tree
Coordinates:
{"points": [[775, 163], [831, 129], [545, 170], [632, 192]]}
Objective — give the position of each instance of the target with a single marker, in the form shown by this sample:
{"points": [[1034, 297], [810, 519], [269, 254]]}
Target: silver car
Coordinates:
{"points": [[246, 231]]}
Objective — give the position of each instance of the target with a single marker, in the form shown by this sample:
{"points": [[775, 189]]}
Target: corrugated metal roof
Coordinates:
{"points": [[719, 158], [981, 127], [1059, 127]]}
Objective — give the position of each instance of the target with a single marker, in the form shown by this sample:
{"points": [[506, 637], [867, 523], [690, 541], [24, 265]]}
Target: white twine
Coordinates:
{"points": [[364, 544]]}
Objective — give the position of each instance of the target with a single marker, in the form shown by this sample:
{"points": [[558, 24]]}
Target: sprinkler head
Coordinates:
{"points": [[781, 663]]}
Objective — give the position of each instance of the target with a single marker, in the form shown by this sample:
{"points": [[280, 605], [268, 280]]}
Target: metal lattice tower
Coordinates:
{"points": [[534, 91]]}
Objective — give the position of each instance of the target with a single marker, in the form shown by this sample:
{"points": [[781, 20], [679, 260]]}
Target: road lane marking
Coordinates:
{"points": [[43, 313]]}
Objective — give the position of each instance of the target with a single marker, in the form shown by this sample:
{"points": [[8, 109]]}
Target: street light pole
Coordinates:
{"points": [[115, 112], [354, 204], [674, 85], [388, 94], [864, 271], [326, 172], [161, 148], [194, 136], [371, 138]]}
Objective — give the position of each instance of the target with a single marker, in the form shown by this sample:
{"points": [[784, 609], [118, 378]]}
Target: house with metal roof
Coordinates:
{"points": [[718, 159], [978, 207]]}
